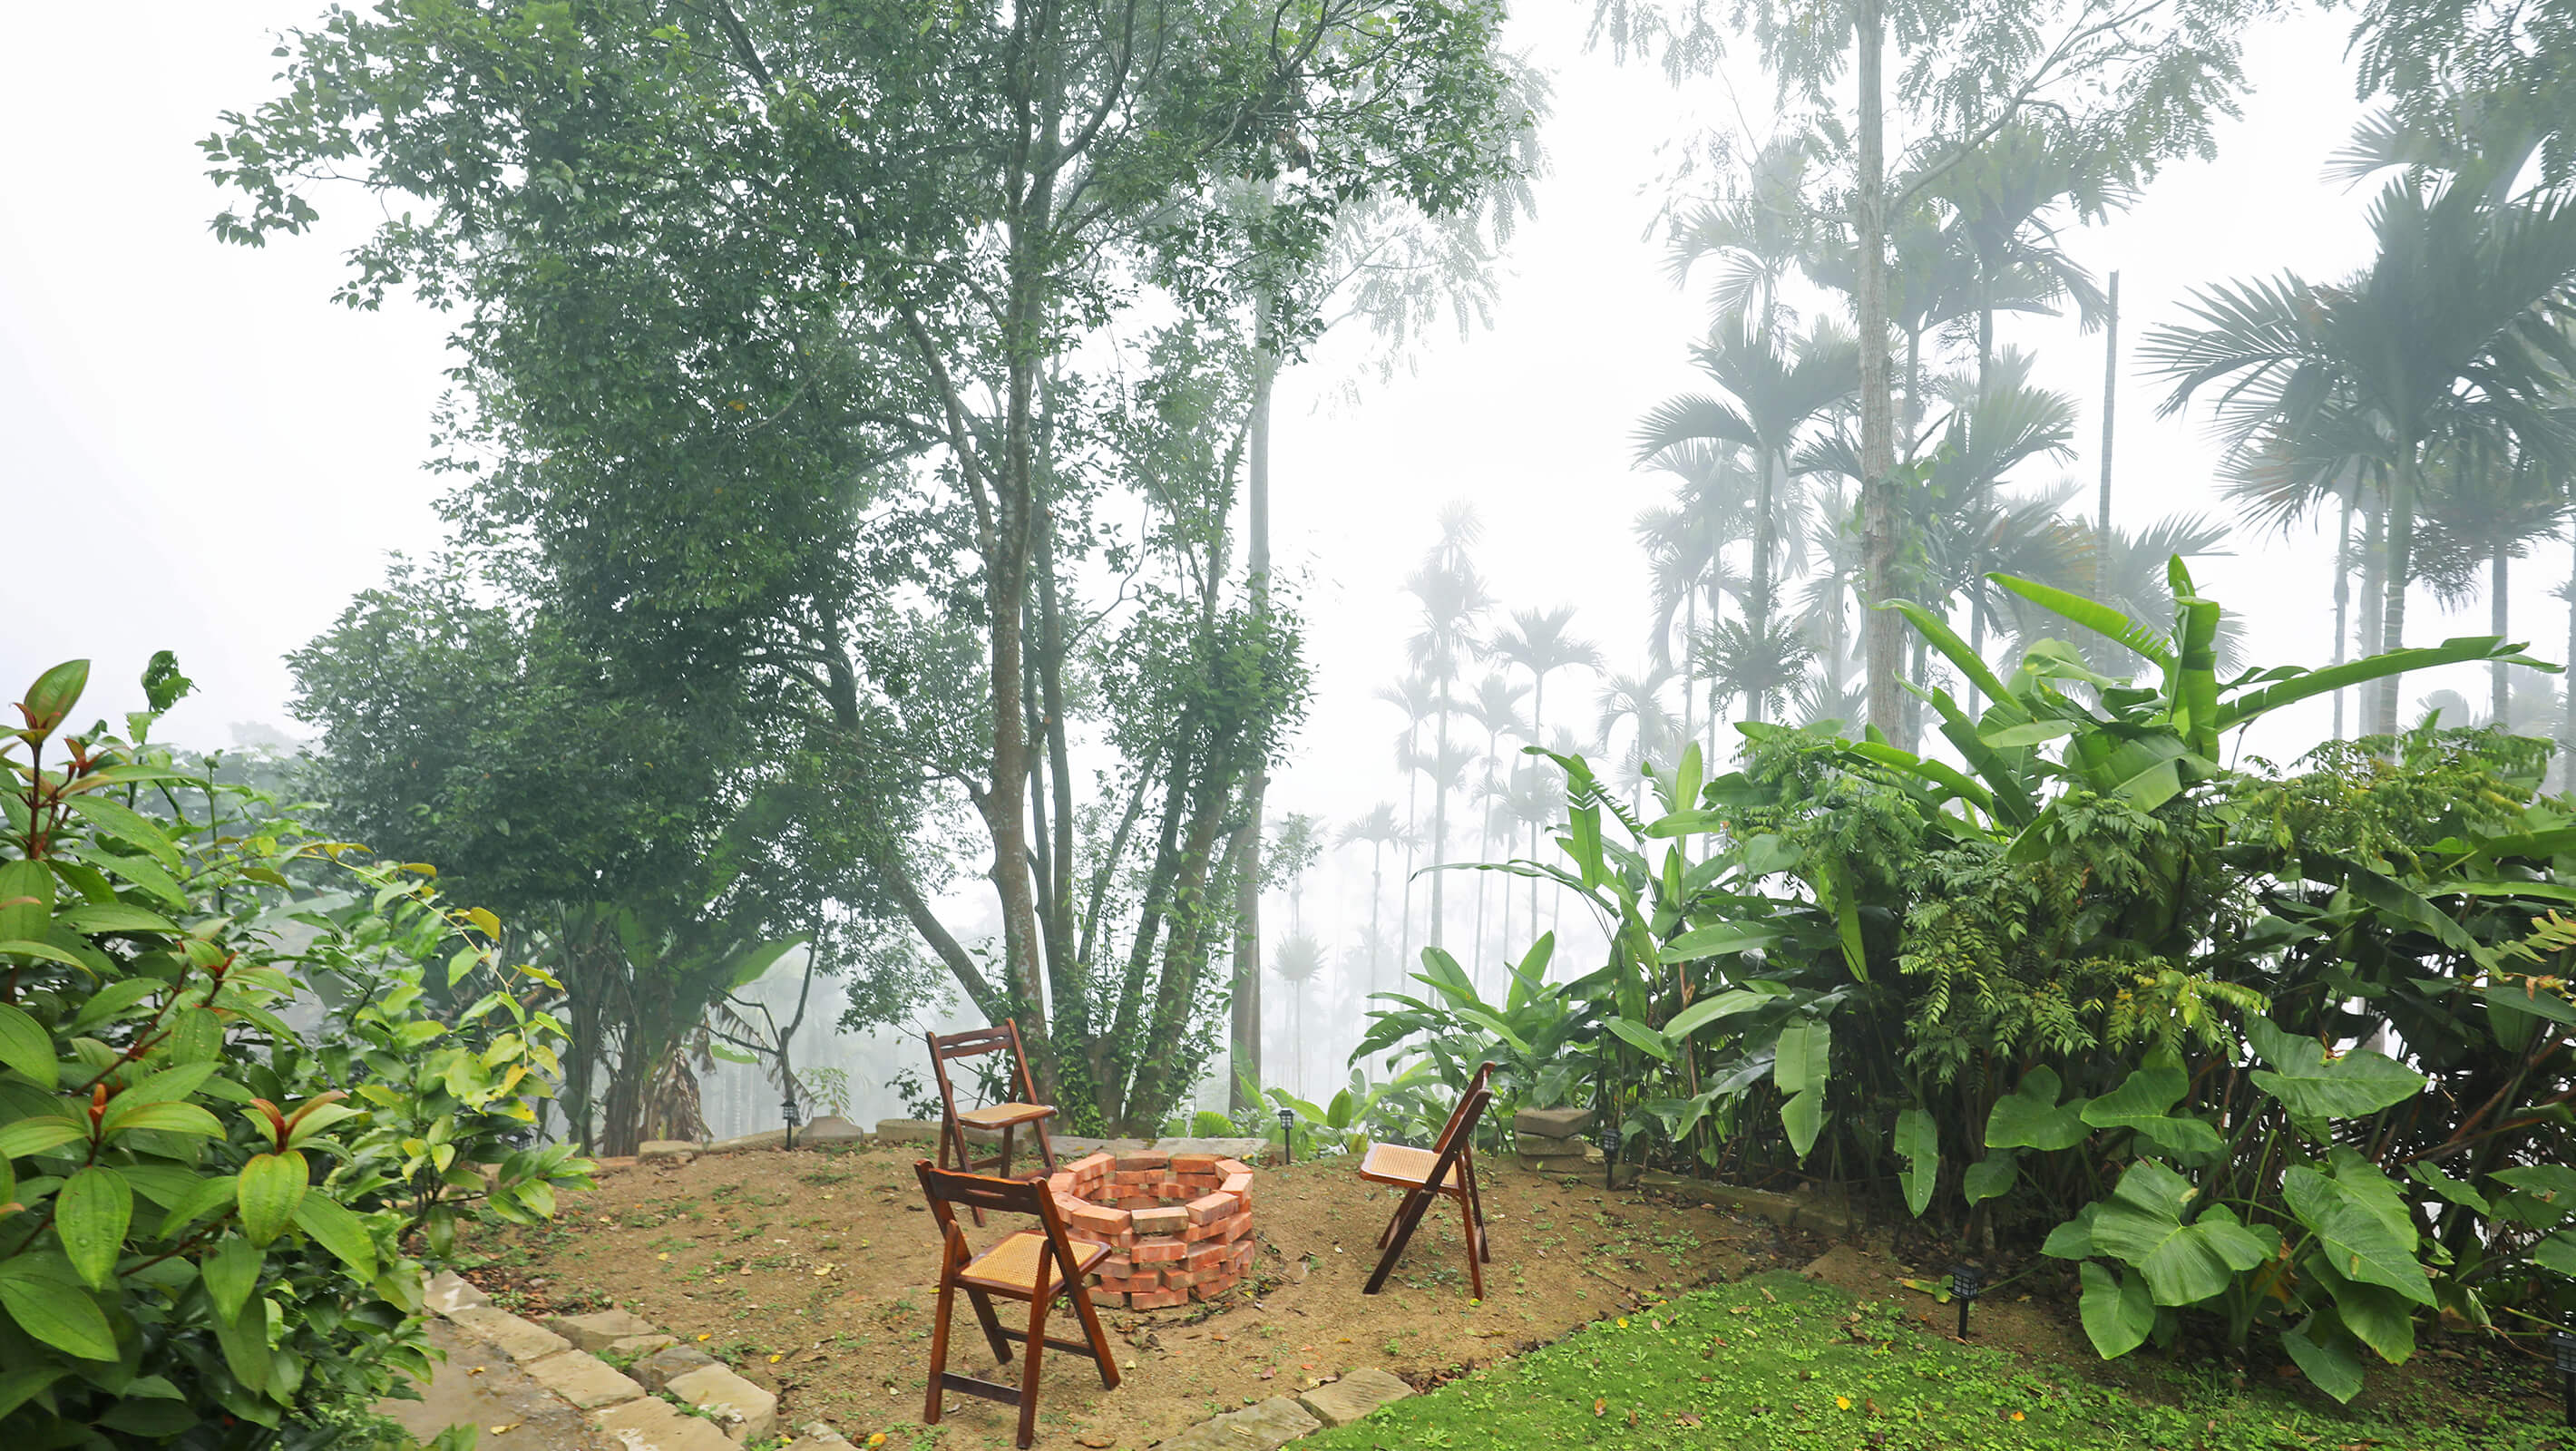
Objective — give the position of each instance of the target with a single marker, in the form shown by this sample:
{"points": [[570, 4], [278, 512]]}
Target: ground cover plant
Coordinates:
{"points": [[1777, 1362], [811, 1273]]}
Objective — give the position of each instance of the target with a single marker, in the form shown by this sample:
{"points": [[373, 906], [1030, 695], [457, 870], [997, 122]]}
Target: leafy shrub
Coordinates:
{"points": [[202, 1208], [2283, 1055]]}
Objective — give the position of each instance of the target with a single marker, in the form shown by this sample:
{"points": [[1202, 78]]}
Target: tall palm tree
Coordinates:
{"points": [[1685, 544], [1542, 642], [1772, 393], [1454, 603], [1757, 236], [2130, 568], [1496, 707], [1380, 830], [2007, 202], [1299, 960], [1638, 701], [2452, 341], [1419, 699], [2482, 515]]}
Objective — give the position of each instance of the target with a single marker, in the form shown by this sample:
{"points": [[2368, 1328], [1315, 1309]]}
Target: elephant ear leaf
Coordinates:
{"points": [[2118, 1315], [1918, 1141], [2030, 1117], [2310, 1085]]}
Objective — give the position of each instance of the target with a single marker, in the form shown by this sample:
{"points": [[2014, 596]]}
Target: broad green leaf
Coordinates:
{"points": [[1937, 633], [2362, 1243], [2030, 1117], [142, 872], [26, 898], [339, 1231], [731, 1055], [2183, 1263], [244, 1339], [101, 917], [2356, 1085], [2558, 1252], [1718, 940], [2027, 733], [127, 825], [1803, 1115], [1918, 1142], [2394, 662], [1805, 1056], [2325, 1359], [115, 1000], [49, 701], [91, 1212], [2142, 1103], [231, 1273], [316, 1118], [271, 1187], [2146, 640], [2377, 1316], [1992, 1177], [167, 1086], [17, 1387], [169, 1118], [1709, 1009], [1640, 1037], [2449, 1188], [2118, 1315], [44, 951], [26, 1046], [2073, 1240], [748, 969], [36, 1135], [47, 1300]]}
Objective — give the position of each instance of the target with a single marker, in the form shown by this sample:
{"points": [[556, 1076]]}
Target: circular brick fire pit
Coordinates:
{"points": [[1179, 1226]]}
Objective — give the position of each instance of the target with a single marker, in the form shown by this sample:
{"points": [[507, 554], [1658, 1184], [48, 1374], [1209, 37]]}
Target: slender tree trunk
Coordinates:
{"points": [[2342, 589], [1775, 470], [2374, 598], [2499, 622], [1883, 628], [2401, 563], [1439, 815], [1246, 1023], [2110, 402], [2567, 693], [1377, 904], [1412, 847], [1538, 728]]}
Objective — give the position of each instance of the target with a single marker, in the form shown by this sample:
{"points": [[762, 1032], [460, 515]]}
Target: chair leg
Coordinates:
{"points": [[1029, 1371], [1475, 1261], [1476, 1203], [1046, 1148], [939, 1344], [993, 1335], [1005, 1166], [952, 1135], [1400, 1230], [1101, 1354]]}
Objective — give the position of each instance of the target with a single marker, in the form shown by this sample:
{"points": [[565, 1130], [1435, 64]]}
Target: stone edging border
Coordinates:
{"points": [[624, 1408]]}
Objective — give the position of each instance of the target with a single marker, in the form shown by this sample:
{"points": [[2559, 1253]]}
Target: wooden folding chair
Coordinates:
{"points": [[954, 1152], [1446, 1170], [1040, 1266]]}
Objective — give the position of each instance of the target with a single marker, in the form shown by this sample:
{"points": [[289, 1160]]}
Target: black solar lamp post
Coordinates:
{"points": [[1964, 1284], [1287, 1137], [1609, 1155], [2566, 1345], [789, 1109]]}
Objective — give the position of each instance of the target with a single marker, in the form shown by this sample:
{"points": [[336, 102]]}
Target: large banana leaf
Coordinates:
{"points": [[2093, 615], [2272, 697]]}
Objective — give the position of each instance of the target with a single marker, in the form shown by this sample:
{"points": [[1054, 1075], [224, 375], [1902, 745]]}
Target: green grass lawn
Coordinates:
{"points": [[1779, 1362]]}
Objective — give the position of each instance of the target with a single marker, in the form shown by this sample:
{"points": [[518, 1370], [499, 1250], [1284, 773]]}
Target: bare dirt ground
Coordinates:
{"points": [[814, 1272]]}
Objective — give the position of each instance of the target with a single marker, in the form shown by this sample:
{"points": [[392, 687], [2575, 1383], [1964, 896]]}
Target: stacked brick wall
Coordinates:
{"points": [[1179, 1226]]}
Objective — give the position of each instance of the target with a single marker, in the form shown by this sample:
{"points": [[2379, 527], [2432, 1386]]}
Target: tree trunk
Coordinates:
{"points": [[1884, 628], [1775, 469], [2342, 587], [2567, 694], [2374, 597], [2401, 562], [2110, 401], [1244, 1042], [1377, 914], [1439, 814], [2499, 621]]}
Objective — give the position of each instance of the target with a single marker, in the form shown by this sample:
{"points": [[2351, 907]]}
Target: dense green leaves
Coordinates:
{"points": [[2183, 1261], [2359, 1083], [91, 1212], [2030, 1117]]}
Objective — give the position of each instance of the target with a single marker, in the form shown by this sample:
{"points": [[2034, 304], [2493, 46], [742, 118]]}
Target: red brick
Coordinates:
{"points": [[1195, 1163], [1212, 1285], [1232, 1166], [1142, 1160], [1180, 1279], [1128, 1284], [1239, 1185], [1158, 1299], [1060, 1182], [1092, 1163], [1208, 1254], [1101, 1220], [1209, 1208], [1169, 1219], [1233, 1226], [1136, 1176], [1159, 1251]]}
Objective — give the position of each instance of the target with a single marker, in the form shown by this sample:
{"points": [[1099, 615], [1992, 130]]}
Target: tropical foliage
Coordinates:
{"points": [[207, 1212]]}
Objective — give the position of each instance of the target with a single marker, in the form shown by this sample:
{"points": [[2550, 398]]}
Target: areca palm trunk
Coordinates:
{"points": [[1775, 468], [2342, 588], [1439, 813], [2500, 692], [2374, 595], [1377, 902], [2400, 566]]}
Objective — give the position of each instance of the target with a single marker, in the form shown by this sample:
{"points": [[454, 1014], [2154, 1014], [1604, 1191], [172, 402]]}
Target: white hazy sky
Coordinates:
{"points": [[204, 454]]}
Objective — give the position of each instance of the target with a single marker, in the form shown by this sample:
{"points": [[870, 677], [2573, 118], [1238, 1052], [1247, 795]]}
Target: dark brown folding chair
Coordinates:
{"points": [[1040, 1266], [1446, 1170], [954, 1152]]}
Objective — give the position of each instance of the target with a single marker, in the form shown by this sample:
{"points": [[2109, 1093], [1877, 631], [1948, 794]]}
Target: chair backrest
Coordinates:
{"points": [[946, 1187], [1002, 1037], [1461, 1120]]}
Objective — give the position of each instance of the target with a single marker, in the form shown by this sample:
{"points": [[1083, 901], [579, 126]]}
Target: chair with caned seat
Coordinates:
{"points": [[1041, 1266], [1008, 1117], [1446, 1170]]}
